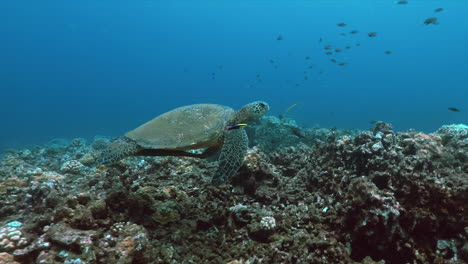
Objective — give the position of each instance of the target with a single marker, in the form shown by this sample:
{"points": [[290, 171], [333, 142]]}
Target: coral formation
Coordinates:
{"points": [[6, 258], [72, 166], [302, 196], [11, 237]]}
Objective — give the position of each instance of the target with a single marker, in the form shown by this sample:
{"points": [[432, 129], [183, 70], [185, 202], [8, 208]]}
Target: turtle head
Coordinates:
{"points": [[251, 112]]}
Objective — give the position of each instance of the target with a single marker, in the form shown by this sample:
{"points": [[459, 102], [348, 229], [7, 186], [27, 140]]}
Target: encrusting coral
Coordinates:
{"points": [[327, 196]]}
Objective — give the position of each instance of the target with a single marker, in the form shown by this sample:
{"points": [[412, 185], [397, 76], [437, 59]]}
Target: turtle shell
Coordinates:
{"points": [[187, 127]]}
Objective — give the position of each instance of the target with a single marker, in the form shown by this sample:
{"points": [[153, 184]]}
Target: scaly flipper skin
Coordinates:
{"points": [[232, 154], [118, 149]]}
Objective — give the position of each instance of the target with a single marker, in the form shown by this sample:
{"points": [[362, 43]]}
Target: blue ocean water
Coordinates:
{"points": [[84, 68]]}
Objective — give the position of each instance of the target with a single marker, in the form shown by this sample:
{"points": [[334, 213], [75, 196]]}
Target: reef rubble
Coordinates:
{"points": [[302, 196]]}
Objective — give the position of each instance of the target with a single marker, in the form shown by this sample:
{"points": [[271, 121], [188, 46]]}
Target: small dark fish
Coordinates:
{"points": [[272, 61], [431, 20], [258, 75], [299, 133], [343, 34], [333, 60], [373, 122], [306, 78], [328, 47], [358, 44], [372, 34], [337, 50], [348, 47], [353, 32], [329, 53], [437, 10], [320, 40], [402, 2], [453, 109], [341, 24], [280, 37], [311, 67], [342, 64], [388, 52], [307, 58]]}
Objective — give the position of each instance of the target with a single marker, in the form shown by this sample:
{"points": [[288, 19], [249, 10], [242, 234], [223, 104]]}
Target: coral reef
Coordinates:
{"points": [[302, 196], [11, 237], [6, 258], [270, 133]]}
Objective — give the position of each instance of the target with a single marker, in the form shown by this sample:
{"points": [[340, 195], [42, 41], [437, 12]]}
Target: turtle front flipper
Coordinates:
{"points": [[118, 149], [232, 154]]}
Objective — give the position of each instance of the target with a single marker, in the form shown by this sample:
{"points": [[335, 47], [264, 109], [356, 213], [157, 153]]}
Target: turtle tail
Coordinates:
{"points": [[118, 149]]}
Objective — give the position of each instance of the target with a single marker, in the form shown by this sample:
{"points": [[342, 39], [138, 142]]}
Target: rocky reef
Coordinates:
{"points": [[302, 196]]}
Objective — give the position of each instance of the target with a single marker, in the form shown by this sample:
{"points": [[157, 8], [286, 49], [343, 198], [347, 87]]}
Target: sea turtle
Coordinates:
{"points": [[210, 126]]}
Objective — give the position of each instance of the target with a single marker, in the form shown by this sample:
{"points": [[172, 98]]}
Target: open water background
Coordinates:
{"points": [[84, 68]]}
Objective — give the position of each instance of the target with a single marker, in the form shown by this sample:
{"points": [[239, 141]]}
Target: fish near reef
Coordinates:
{"points": [[328, 47], [437, 10], [289, 109], [453, 109], [372, 34], [353, 32], [236, 126], [431, 20], [298, 132]]}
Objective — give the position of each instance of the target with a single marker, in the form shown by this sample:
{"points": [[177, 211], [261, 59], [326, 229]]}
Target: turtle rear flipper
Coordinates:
{"points": [[232, 154], [179, 153], [118, 149]]}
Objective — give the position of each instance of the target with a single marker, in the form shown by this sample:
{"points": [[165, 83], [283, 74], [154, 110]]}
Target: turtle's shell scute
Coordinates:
{"points": [[187, 127]]}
